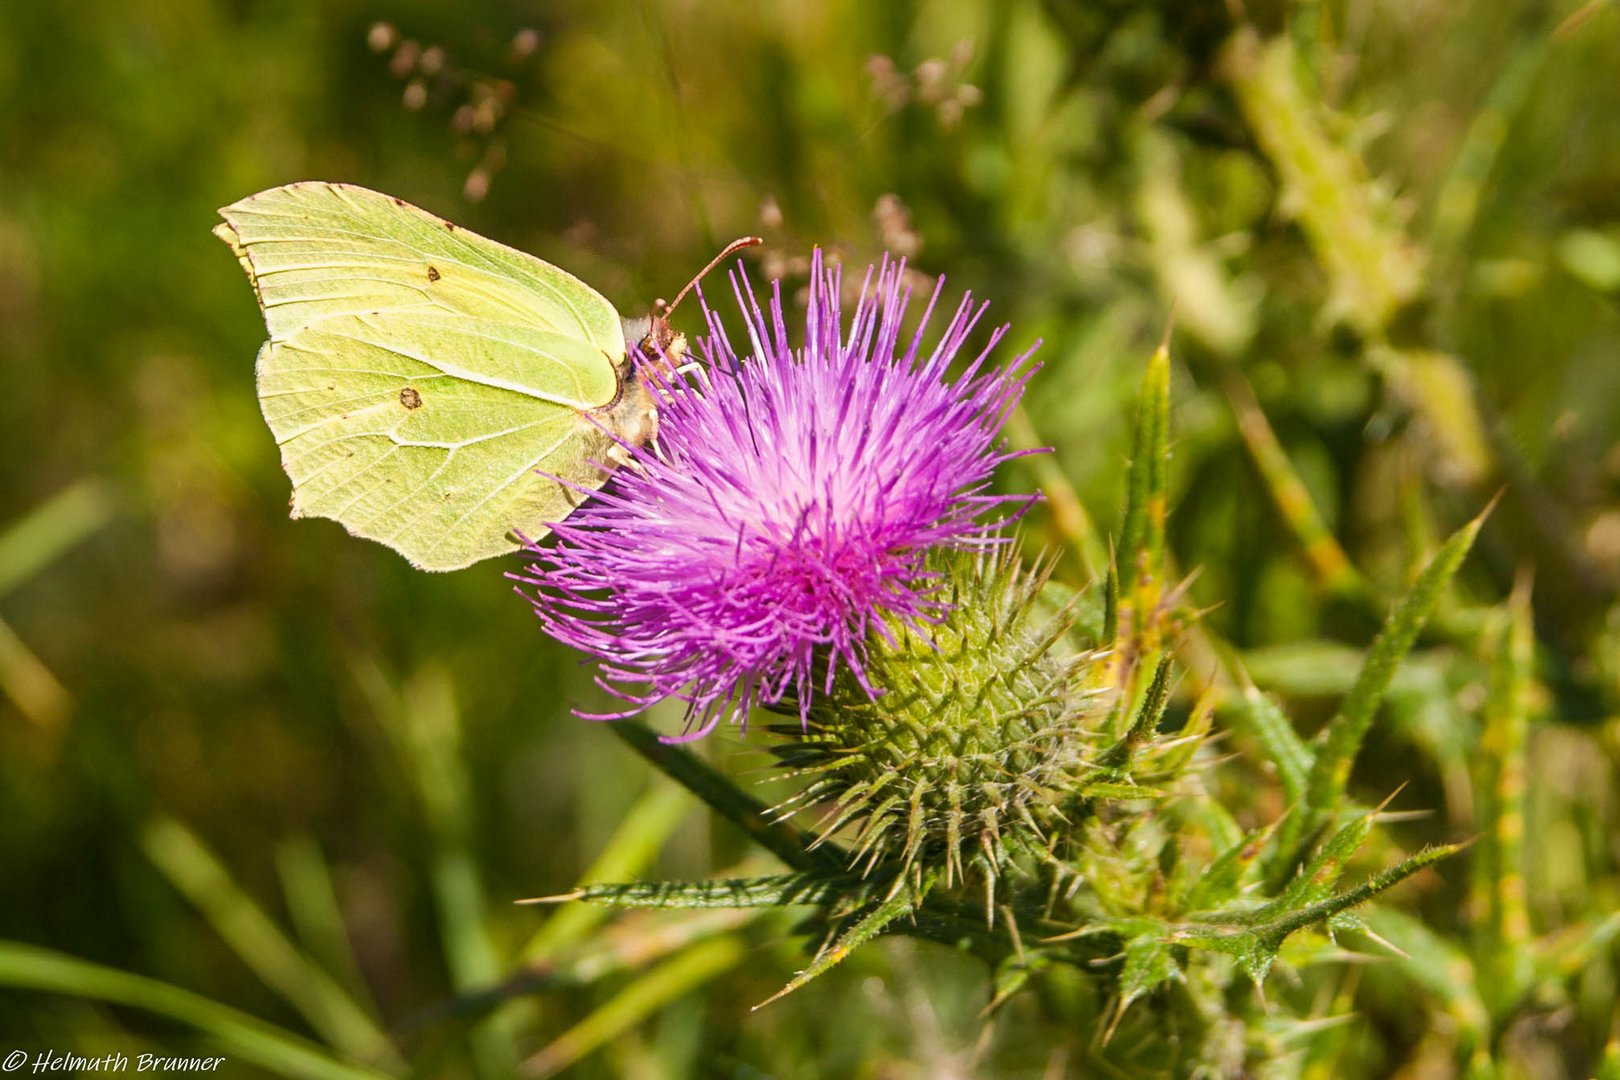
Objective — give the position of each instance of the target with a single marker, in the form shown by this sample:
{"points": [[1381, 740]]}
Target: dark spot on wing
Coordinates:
{"points": [[410, 398], [433, 273], [398, 201], [450, 225]]}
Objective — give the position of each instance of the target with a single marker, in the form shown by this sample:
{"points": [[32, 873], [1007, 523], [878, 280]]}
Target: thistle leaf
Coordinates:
{"points": [[1221, 882], [1150, 962], [778, 890], [1114, 789], [1148, 484], [1117, 758], [1340, 741], [1255, 946], [1170, 757], [868, 926], [1316, 879], [1281, 743], [1372, 268]]}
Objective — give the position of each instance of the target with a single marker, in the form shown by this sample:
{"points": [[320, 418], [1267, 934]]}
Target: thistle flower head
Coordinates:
{"points": [[787, 506]]}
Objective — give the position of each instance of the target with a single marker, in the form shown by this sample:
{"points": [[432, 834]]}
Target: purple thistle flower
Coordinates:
{"points": [[784, 507]]}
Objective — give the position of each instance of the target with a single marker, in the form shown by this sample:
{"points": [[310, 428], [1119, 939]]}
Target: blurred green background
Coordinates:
{"points": [[274, 766]]}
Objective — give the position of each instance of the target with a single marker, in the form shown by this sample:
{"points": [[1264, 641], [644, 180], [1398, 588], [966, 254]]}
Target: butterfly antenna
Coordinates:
{"points": [[665, 310]]}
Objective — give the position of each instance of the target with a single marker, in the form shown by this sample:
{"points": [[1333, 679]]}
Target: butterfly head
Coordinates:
{"points": [[633, 414]]}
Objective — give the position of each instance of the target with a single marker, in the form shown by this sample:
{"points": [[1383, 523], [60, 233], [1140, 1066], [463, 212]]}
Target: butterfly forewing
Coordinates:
{"points": [[419, 378]]}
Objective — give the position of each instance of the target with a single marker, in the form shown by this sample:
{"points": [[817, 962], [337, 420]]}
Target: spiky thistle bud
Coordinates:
{"points": [[979, 731]]}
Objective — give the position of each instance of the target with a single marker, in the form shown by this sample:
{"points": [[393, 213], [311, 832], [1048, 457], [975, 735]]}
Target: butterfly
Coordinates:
{"points": [[431, 389]]}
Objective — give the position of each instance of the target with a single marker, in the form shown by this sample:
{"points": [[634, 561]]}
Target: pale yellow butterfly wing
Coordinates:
{"points": [[418, 377]]}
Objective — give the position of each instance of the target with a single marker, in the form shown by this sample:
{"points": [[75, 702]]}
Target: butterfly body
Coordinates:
{"points": [[428, 388]]}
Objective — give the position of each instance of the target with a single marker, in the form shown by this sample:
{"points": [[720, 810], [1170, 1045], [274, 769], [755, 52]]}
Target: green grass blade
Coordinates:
{"points": [[1328, 563], [425, 724], [1340, 741], [50, 529], [1457, 206], [35, 690], [725, 798], [245, 1038], [198, 874], [632, 848], [317, 918], [1066, 512], [1438, 966], [649, 993]]}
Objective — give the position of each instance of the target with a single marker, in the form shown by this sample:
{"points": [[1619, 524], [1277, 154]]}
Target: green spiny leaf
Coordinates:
{"points": [[1150, 962], [1340, 741], [1118, 756], [1322, 910], [1256, 946], [1147, 487], [778, 890], [1225, 875], [1280, 742], [1170, 757], [868, 926], [1254, 952], [1372, 268], [1114, 789], [1316, 879]]}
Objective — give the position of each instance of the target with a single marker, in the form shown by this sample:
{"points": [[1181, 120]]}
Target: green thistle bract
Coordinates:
{"points": [[980, 733]]}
